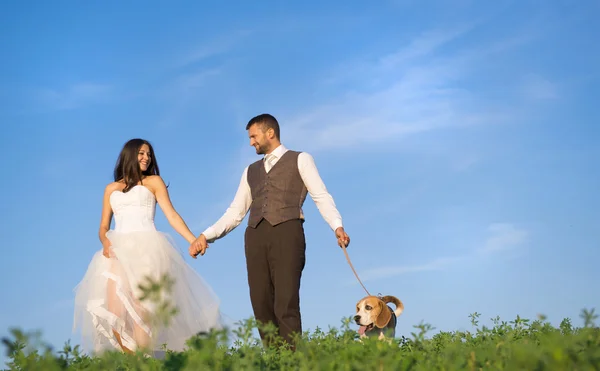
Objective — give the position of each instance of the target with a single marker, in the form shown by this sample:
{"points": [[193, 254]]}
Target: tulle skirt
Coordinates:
{"points": [[108, 301]]}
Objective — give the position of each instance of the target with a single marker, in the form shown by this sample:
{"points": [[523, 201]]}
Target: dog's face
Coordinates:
{"points": [[371, 311]]}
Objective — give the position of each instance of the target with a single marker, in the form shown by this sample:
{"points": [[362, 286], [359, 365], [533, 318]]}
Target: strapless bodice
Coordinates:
{"points": [[134, 211]]}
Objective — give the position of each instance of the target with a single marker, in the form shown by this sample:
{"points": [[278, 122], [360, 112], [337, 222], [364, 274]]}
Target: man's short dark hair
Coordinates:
{"points": [[267, 122]]}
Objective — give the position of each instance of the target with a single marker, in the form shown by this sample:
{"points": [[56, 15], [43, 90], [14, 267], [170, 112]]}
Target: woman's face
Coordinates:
{"points": [[144, 157]]}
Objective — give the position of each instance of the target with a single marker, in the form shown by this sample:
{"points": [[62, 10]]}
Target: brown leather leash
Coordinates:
{"points": [[351, 266]]}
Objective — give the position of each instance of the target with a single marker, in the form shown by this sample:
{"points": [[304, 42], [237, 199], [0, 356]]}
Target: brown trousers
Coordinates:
{"points": [[275, 258]]}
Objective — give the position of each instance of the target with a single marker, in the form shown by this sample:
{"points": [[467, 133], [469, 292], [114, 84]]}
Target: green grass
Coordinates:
{"points": [[520, 344], [516, 345]]}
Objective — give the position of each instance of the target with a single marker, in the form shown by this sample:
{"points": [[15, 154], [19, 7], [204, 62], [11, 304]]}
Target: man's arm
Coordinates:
{"points": [[318, 192], [234, 214]]}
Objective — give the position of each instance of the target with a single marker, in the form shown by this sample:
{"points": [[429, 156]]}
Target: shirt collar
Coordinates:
{"points": [[279, 151]]}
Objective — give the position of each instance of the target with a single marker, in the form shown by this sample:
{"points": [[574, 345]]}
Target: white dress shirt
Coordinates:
{"points": [[236, 212]]}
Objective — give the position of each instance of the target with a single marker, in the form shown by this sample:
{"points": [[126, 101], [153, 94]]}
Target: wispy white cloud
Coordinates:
{"points": [[420, 88], [465, 163], [385, 272], [425, 44], [182, 92], [194, 70], [74, 96], [502, 238], [212, 48], [538, 88], [194, 80]]}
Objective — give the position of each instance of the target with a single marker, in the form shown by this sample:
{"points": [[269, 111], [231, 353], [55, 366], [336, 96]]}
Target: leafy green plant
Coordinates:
{"points": [[520, 344]]}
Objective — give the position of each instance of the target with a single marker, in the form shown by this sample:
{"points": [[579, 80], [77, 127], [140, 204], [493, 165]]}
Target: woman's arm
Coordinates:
{"points": [[163, 199], [105, 219]]}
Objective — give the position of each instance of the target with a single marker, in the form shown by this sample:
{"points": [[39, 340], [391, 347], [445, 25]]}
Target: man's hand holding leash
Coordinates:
{"points": [[342, 237]]}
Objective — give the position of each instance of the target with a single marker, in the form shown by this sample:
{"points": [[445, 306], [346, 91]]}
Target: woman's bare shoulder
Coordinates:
{"points": [[113, 186], [153, 180]]}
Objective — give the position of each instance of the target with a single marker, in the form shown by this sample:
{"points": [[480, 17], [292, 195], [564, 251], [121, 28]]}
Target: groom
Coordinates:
{"points": [[273, 189]]}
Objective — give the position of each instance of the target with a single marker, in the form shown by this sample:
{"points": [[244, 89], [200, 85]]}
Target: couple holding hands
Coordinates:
{"points": [[108, 309]]}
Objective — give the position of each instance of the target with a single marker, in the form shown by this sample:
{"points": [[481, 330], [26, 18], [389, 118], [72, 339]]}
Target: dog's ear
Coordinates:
{"points": [[384, 316]]}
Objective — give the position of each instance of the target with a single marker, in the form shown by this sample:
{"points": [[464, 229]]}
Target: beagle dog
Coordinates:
{"points": [[376, 318]]}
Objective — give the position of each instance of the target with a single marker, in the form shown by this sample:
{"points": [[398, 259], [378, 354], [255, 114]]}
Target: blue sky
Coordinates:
{"points": [[457, 138]]}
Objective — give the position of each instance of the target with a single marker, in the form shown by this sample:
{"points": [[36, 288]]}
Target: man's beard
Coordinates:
{"points": [[261, 150]]}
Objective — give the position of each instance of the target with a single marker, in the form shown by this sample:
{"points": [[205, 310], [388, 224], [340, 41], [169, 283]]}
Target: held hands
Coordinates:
{"points": [[342, 237], [198, 247]]}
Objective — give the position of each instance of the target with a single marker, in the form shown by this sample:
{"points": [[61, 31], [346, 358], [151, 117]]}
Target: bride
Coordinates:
{"points": [[108, 309]]}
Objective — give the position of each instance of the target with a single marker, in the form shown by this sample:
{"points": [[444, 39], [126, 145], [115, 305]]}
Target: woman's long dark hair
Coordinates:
{"points": [[128, 169]]}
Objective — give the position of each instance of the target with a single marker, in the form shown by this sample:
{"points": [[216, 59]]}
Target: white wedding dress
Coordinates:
{"points": [[106, 300]]}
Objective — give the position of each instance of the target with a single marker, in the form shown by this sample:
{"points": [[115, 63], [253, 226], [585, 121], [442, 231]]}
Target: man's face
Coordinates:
{"points": [[259, 139]]}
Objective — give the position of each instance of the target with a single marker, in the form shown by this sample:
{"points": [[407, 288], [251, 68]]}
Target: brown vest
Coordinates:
{"points": [[277, 196]]}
